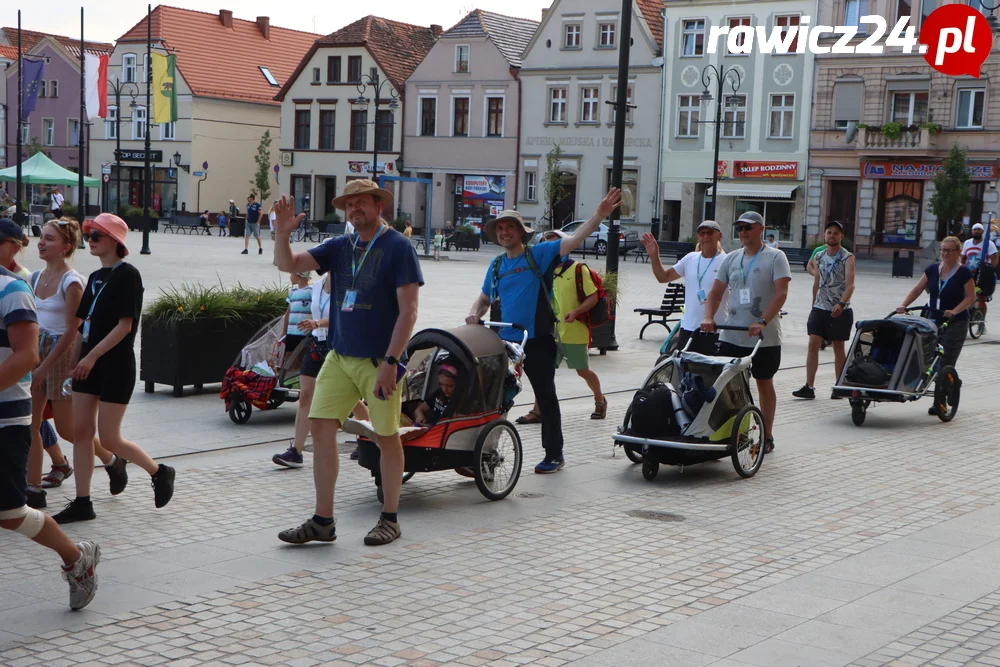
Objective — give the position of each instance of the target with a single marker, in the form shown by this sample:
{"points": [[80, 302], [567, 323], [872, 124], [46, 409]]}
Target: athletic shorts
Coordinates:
{"points": [[342, 382], [112, 380], [253, 229], [575, 355], [765, 363], [15, 441], [313, 357], [822, 323]]}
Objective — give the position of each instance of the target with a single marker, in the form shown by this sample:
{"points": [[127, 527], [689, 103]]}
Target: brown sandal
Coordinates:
{"points": [[530, 418], [600, 409]]}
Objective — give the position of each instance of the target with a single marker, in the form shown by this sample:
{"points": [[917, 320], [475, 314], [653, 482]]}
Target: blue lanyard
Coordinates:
{"points": [[701, 274], [943, 283], [833, 267], [355, 264], [103, 285], [749, 268]]}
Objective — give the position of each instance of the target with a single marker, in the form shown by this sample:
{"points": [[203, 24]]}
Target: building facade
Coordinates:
{"points": [[461, 121], [569, 70], [763, 133], [332, 130], [228, 71], [878, 182]]}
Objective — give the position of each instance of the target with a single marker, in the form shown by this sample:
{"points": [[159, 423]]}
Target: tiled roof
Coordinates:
{"points": [[29, 38], [651, 12], [510, 34], [224, 62], [8, 52]]}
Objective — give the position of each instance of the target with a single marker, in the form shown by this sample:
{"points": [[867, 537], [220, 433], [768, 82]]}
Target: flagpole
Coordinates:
{"points": [[147, 172], [81, 203], [20, 94]]}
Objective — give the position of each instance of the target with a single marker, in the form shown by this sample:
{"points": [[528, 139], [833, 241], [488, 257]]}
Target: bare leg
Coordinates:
{"points": [[84, 430], [392, 462], [361, 411], [768, 403], [839, 357], [307, 386], [109, 422], [56, 455], [594, 382], [101, 453], [36, 457], [51, 536], [812, 359], [326, 463]]}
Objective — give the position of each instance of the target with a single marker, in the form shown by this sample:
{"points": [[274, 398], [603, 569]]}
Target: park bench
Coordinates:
{"points": [[329, 229], [675, 249], [798, 256], [187, 223], [672, 304]]}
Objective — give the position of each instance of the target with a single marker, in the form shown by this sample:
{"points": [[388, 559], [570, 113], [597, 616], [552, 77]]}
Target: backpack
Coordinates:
{"points": [[986, 279], [600, 312], [545, 316], [652, 412], [867, 372]]}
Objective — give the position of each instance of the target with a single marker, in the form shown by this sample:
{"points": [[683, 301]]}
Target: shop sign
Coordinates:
{"points": [[139, 155], [287, 159], [923, 170], [754, 169], [722, 168], [364, 167], [484, 187]]}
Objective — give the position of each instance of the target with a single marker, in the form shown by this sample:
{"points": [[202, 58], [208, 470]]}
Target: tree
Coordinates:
{"points": [[35, 147], [260, 183], [951, 191], [553, 180]]}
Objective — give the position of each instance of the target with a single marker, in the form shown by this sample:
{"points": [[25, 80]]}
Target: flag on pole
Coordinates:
{"points": [[164, 88], [96, 81], [31, 79]]}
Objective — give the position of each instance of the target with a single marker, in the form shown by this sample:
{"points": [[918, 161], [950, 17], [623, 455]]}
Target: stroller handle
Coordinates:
{"points": [[930, 311], [508, 325]]}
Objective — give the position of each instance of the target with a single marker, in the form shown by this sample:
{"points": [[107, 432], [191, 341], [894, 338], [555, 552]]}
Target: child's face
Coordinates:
{"points": [[447, 384]]}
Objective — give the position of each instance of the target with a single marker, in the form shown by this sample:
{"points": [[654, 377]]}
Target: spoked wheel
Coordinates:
{"points": [[497, 459], [858, 411], [650, 468], [746, 444], [240, 410], [977, 323], [947, 389], [407, 476]]}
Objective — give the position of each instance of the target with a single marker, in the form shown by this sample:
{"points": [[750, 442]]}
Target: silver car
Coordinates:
{"points": [[598, 240]]}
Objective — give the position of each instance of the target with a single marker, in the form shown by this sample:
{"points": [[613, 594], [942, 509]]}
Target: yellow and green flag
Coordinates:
{"points": [[164, 88]]}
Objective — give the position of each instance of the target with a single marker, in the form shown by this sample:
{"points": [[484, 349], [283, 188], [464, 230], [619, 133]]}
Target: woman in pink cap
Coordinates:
{"points": [[104, 375]]}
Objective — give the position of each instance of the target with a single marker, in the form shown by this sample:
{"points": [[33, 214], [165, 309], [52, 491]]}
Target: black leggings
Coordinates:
{"points": [[540, 367], [952, 340]]}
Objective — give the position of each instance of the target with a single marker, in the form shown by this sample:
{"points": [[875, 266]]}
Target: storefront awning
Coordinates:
{"points": [[756, 190]]}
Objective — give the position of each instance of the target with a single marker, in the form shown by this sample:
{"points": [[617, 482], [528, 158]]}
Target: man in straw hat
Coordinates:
{"points": [[376, 278], [521, 278]]}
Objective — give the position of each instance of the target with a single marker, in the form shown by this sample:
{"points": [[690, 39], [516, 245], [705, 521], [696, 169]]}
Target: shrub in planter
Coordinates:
{"points": [[192, 334]]}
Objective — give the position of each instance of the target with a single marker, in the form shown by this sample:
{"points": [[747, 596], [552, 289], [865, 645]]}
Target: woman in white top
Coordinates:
{"points": [[271, 217]]}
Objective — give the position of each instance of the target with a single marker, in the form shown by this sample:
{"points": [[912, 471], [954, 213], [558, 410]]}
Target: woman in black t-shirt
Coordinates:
{"points": [[104, 375]]}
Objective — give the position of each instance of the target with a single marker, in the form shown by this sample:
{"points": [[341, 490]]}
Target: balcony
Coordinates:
{"points": [[909, 141]]}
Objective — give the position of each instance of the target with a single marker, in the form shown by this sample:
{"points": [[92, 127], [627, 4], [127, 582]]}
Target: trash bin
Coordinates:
{"points": [[237, 226], [902, 265]]}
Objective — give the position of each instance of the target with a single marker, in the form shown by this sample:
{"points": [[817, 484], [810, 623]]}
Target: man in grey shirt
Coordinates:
{"points": [[757, 278]]}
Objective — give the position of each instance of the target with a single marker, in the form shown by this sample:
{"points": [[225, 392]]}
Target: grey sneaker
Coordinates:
{"points": [[383, 533], [82, 575], [308, 532]]}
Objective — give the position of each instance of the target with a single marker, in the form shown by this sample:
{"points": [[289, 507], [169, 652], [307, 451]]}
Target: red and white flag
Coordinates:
{"points": [[96, 80]]}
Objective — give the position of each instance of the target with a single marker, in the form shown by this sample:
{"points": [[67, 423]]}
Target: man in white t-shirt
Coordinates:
{"points": [[972, 255], [698, 269], [55, 202]]}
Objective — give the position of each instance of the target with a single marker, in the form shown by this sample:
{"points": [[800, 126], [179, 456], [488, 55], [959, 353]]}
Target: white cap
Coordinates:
{"points": [[978, 226]]}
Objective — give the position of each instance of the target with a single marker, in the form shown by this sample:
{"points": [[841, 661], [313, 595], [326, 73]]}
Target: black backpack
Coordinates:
{"points": [[867, 372], [986, 279], [653, 412]]}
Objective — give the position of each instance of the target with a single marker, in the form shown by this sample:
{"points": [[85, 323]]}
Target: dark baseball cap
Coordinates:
{"points": [[10, 230], [752, 217], [834, 223]]}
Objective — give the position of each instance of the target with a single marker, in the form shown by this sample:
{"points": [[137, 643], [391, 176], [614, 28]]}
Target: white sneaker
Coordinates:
{"points": [[82, 576]]}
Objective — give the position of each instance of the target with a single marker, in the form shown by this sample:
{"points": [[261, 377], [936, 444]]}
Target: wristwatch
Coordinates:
{"points": [[762, 321], [842, 304], [391, 360]]}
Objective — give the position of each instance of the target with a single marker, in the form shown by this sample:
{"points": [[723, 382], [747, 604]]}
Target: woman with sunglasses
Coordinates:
{"points": [[104, 375]]}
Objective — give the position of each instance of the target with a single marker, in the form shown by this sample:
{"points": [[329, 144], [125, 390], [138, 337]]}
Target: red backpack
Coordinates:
{"points": [[600, 312]]}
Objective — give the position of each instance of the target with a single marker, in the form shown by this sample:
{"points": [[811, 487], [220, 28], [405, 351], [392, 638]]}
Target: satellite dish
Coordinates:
{"points": [[852, 131]]}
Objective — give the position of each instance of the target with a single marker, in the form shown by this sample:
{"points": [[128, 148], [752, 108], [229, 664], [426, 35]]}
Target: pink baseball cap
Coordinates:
{"points": [[111, 225]]}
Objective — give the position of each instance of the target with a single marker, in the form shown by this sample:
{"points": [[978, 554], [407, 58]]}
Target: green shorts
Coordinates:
{"points": [[577, 356], [342, 382]]}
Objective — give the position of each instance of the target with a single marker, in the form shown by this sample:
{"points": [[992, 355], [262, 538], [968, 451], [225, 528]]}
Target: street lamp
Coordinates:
{"points": [[374, 82], [992, 18], [722, 75], [177, 162], [117, 87]]}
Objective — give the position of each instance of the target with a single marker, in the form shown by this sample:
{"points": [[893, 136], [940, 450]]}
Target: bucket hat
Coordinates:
{"points": [[491, 227], [111, 225], [362, 187]]}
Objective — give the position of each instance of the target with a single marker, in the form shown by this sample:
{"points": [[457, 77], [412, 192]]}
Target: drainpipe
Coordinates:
{"points": [[805, 207], [514, 71], [657, 198]]}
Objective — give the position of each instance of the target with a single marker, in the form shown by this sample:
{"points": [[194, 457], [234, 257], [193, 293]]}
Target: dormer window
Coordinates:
{"points": [[462, 58], [267, 75]]}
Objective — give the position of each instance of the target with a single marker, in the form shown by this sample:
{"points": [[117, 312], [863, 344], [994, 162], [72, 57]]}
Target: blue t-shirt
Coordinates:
{"points": [[365, 331], [253, 212], [518, 287], [953, 292]]}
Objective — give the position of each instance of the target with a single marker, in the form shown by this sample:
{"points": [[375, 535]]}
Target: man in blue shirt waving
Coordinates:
{"points": [[253, 225], [521, 279]]}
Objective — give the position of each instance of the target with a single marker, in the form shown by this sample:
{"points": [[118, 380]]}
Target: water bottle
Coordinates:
{"points": [[680, 416], [67, 388]]}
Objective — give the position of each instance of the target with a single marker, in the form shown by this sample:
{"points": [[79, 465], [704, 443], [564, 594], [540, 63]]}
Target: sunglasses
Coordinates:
{"points": [[744, 228], [94, 237]]}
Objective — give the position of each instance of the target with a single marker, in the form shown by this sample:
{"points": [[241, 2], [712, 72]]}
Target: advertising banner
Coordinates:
{"points": [[490, 188], [924, 170], [753, 169]]}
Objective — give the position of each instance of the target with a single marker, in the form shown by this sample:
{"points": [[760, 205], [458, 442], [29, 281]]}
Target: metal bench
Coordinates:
{"points": [[798, 256], [676, 249], [187, 223], [672, 304], [329, 230]]}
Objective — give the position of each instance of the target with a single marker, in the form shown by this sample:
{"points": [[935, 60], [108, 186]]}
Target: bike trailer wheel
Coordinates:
{"points": [[947, 390]]}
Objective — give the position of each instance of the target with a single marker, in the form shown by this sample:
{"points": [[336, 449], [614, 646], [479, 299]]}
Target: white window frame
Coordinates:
{"points": [[967, 124], [129, 68], [25, 132], [145, 68], [913, 105], [43, 88], [576, 32], [629, 92], [420, 115], [732, 126], [317, 75], [603, 31], [168, 131], [138, 123], [54, 88], [110, 127], [729, 21], [48, 131], [530, 185], [468, 117], [782, 129], [486, 114], [69, 132], [784, 29], [593, 102], [563, 100], [693, 128], [459, 60], [692, 32], [856, 22]]}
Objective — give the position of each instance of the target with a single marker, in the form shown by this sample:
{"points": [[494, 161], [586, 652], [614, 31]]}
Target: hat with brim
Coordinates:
{"points": [[10, 230], [513, 216], [710, 224], [111, 225], [555, 232], [834, 223], [752, 217], [362, 187]]}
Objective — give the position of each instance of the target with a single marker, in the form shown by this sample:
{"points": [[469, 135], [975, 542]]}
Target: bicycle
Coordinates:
{"points": [[305, 232], [977, 319]]}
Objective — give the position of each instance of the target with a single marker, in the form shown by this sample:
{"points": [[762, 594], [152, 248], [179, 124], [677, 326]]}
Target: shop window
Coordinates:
{"points": [[301, 192], [460, 117], [571, 36], [909, 108], [428, 116], [327, 129], [777, 216], [693, 38], [303, 121], [734, 117], [687, 115], [740, 39], [899, 210], [970, 108]]}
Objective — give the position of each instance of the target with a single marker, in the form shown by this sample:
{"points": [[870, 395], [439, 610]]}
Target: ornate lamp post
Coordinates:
{"points": [[722, 75], [388, 97]]}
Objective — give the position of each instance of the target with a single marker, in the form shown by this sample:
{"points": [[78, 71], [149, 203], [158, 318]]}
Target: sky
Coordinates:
{"points": [[106, 20]]}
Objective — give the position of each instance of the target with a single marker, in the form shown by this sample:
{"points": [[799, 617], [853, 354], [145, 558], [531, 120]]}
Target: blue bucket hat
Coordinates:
{"points": [[10, 230]]}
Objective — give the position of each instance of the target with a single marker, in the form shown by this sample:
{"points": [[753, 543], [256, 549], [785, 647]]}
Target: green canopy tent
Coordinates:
{"points": [[40, 170]]}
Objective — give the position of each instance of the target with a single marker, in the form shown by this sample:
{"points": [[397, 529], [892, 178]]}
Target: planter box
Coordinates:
{"points": [[603, 338], [457, 242], [135, 222], [193, 353]]}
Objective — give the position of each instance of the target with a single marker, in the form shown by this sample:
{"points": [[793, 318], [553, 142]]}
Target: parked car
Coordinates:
{"points": [[598, 240]]}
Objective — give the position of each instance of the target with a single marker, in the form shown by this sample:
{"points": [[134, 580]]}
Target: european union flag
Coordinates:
{"points": [[34, 71]]}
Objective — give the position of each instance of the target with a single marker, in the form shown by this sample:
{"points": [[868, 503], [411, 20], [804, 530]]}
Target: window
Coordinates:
{"points": [[530, 187], [25, 133], [909, 108], [428, 116], [111, 123], [139, 123], [145, 68], [786, 22], [777, 216], [926, 7], [333, 69], [693, 38], [354, 69], [606, 35], [494, 116], [303, 119], [782, 115], [571, 38], [688, 115], [359, 129], [327, 122], [853, 11], [589, 101], [43, 88], [970, 108], [628, 100], [462, 58], [373, 73], [316, 80], [734, 117], [460, 117], [736, 23], [905, 8], [48, 132], [981, 6], [74, 132], [128, 68], [167, 131], [267, 75], [383, 130], [557, 105], [847, 96], [53, 88]]}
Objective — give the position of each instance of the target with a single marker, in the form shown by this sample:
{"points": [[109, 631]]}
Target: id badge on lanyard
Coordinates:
{"points": [[350, 296]]}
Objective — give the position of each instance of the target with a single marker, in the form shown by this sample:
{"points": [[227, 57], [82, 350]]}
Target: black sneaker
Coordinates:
{"points": [[769, 445], [245, 252], [805, 392], [163, 485], [260, 251], [35, 499], [76, 510], [117, 474]]}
